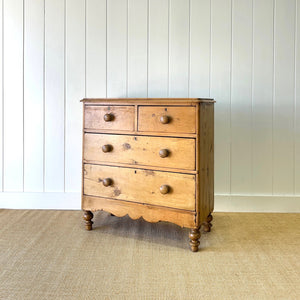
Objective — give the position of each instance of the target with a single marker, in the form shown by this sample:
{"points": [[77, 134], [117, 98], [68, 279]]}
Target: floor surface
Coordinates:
{"points": [[49, 255]]}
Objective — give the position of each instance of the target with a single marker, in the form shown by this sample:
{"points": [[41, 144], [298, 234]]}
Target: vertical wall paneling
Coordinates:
{"points": [[158, 60], [13, 95], [200, 48], [241, 97], [54, 95], [179, 32], [297, 103], [96, 48], [117, 48], [262, 97], [1, 94], [137, 48], [284, 97], [33, 95], [220, 90], [75, 90], [242, 53]]}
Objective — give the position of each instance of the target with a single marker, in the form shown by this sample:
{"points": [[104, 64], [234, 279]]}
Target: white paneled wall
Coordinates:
{"points": [[243, 53]]}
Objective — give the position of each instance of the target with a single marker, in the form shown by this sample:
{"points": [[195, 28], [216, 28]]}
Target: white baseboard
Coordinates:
{"points": [[223, 203], [257, 203], [50, 200]]}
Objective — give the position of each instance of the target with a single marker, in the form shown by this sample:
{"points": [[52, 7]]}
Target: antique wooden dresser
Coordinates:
{"points": [[150, 158]]}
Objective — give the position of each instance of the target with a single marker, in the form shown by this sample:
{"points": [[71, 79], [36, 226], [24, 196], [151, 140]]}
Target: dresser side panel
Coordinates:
{"points": [[206, 161], [82, 155]]}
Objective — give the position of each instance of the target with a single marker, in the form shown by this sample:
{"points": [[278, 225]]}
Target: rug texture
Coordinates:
{"points": [[49, 255]]}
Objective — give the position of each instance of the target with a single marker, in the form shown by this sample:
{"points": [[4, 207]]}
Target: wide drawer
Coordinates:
{"points": [[109, 117], [142, 186], [142, 150], [178, 119]]}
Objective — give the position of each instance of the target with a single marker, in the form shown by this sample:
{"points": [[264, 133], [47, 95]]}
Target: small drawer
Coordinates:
{"points": [[109, 117], [167, 152], [141, 186], [175, 119]]}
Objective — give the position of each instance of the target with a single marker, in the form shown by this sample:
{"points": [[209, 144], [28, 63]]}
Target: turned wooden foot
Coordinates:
{"points": [[88, 216], [194, 236], [207, 225]]}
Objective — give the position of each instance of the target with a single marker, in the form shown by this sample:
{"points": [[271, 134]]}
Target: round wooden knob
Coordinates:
{"points": [[107, 182], [164, 189], [107, 148], [108, 117], [164, 153], [164, 119]]}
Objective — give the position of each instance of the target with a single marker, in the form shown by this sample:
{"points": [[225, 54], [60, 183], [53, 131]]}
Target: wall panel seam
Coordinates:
{"points": [[168, 84], [230, 97], [44, 100], [65, 79], [106, 48], [2, 94], [148, 12], [252, 88], [23, 96], [210, 51], [189, 52], [295, 95], [273, 93], [85, 5], [127, 54]]}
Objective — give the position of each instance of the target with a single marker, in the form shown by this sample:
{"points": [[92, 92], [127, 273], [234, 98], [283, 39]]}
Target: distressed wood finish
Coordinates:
{"points": [[150, 158], [142, 133], [150, 213], [141, 186], [167, 119], [140, 150], [206, 161], [122, 117]]}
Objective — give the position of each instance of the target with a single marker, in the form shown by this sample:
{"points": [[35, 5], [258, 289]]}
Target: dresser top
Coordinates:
{"points": [[148, 101]]}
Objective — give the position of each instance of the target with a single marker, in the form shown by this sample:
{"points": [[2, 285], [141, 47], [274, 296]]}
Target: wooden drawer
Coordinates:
{"points": [[109, 117], [178, 119], [141, 186], [141, 150]]}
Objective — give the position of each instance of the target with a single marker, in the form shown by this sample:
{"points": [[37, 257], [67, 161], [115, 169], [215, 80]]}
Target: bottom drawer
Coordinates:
{"points": [[141, 186]]}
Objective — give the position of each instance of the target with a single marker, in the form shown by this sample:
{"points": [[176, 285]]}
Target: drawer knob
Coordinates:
{"points": [[164, 189], [108, 117], [107, 148], [164, 119], [164, 153], [107, 182]]}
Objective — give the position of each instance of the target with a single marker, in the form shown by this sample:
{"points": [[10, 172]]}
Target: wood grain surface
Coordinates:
{"points": [[141, 150], [150, 213], [122, 117], [182, 119], [141, 186], [206, 161]]}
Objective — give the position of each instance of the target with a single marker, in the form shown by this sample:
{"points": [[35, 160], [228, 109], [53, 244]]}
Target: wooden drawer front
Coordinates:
{"points": [[178, 119], [122, 117], [141, 150], [142, 186]]}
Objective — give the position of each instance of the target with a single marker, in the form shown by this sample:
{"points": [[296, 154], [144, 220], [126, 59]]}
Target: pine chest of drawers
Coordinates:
{"points": [[150, 158]]}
